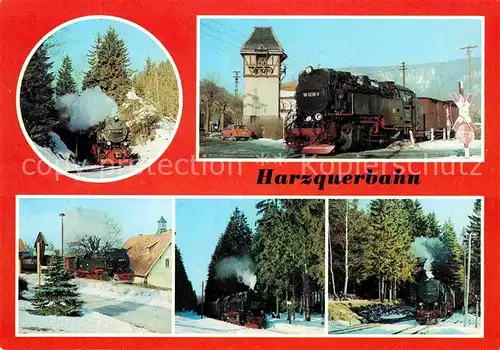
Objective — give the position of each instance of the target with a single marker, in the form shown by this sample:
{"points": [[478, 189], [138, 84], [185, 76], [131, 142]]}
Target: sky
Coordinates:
{"points": [[137, 215], [338, 43], [78, 38], [200, 223]]}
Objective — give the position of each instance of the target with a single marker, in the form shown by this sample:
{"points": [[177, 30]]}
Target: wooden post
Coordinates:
{"points": [[432, 134], [412, 139], [444, 134], [466, 150], [202, 291], [38, 267]]}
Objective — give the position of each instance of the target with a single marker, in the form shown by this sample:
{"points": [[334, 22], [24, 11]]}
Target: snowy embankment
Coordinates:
{"points": [[89, 322], [125, 292], [108, 308], [454, 147], [190, 322], [148, 150], [450, 327]]}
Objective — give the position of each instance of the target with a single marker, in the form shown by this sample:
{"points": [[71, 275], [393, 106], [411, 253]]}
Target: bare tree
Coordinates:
{"points": [[91, 231]]}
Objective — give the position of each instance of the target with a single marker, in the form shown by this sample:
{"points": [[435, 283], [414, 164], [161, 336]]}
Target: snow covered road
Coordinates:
{"points": [[449, 150], [154, 319]]}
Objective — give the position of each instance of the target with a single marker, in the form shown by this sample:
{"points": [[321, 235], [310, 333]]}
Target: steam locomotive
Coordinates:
{"points": [[114, 264], [112, 146], [435, 301], [244, 308], [340, 111]]}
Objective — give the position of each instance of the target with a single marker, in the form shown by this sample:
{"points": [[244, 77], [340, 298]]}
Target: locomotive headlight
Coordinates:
{"points": [[318, 117], [125, 143], [309, 118], [435, 304], [420, 304], [309, 69], [108, 143]]}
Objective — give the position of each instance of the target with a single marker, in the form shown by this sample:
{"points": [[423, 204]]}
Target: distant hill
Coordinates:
{"points": [[436, 80]]}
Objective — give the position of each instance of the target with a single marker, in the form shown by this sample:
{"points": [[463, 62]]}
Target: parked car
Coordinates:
{"points": [[236, 132]]}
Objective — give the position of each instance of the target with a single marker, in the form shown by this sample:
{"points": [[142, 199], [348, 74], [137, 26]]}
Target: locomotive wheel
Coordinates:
{"points": [[346, 136]]}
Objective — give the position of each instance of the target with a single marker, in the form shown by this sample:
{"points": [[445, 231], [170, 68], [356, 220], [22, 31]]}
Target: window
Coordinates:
{"points": [[167, 262], [261, 60]]}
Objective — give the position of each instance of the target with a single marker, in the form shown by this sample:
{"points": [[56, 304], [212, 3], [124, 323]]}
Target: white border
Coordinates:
{"points": [[33, 145], [338, 160], [229, 335]]}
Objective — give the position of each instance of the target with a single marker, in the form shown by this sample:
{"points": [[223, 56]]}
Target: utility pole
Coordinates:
{"points": [[466, 301], [403, 69], [346, 257], [236, 76], [62, 215], [202, 290], [468, 49]]}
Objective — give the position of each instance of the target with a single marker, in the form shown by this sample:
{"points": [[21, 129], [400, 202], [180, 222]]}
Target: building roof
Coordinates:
{"points": [[145, 250], [40, 238], [289, 86], [162, 220], [262, 39], [22, 247]]}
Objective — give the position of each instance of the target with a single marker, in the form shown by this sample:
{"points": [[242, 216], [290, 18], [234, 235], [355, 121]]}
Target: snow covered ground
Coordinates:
{"points": [[108, 308], [450, 327], [444, 150], [190, 322]]}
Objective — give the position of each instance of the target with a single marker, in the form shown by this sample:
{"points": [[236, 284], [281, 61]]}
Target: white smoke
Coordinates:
{"points": [[82, 222], [241, 267], [428, 249], [88, 109]]}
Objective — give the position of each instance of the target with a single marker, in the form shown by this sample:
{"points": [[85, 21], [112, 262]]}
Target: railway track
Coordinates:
{"points": [[94, 170], [355, 328]]}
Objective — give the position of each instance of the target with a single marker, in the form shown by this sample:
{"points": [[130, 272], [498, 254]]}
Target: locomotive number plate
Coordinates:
{"points": [[311, 94]]}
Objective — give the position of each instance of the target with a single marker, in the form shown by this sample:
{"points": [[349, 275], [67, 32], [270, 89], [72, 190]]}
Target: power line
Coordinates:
{"points": [[221, 39], [403, 69], [225, 32]]}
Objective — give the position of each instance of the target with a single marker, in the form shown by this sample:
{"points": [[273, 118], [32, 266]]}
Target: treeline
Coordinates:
{"points": [[108, 67], [185, 296], [287, 250], [373, 253], [218, 105]]}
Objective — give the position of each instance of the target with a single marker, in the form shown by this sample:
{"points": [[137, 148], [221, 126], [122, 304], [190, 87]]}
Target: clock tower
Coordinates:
{"points": [[262, 58]]}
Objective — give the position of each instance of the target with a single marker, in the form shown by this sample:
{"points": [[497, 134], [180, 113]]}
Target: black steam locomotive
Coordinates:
{"points": [[114, 264], [435, 301], [244, 308], [112, 146], [338, 110]]}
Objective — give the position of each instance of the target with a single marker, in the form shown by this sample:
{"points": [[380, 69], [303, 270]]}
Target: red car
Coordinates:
{"points": [[236, 132]]}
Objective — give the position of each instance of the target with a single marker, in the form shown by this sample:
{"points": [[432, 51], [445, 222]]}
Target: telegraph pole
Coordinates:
{"points": [[236, 81], [403, 69], [466, 301], [62, 234], [468, 49]]}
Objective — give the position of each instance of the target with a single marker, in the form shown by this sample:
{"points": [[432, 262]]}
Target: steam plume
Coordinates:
{"points": [[86, 110], [429, 249], [242, 268]]}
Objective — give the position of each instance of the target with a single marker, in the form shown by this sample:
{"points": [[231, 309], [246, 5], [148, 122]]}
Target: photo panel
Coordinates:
{"points": [[94, 266], [250, 266], [386, 88]]}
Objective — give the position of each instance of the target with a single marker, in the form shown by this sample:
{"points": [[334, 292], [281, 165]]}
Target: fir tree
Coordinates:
{"points": [[185, 296], [90, 80], [109, 66], [417, 220], [448, 267], [387, 253], [65, 83], [58, 295], [433, 229], [236, 241], [474, 229], [36, 98]]}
